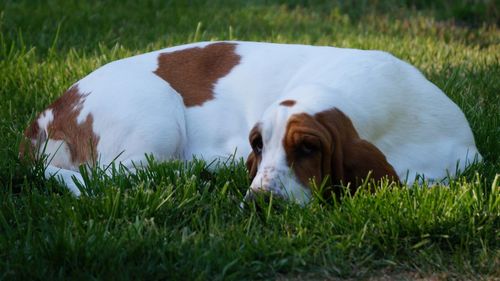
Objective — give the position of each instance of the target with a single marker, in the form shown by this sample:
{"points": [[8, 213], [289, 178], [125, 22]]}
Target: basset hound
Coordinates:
{"points": [[299, 114]]}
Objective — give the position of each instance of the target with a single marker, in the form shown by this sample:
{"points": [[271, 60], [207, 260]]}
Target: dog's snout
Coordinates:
{"points": [[278, 183]]}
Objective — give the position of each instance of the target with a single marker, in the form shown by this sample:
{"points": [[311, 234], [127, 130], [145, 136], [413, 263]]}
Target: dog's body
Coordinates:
{"points": [[203, 99]]}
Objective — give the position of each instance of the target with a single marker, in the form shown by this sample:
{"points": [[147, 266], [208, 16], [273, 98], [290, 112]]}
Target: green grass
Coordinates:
{"points": [[178, 221]]}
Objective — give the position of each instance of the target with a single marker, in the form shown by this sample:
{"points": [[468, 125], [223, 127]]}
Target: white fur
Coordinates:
{"points": [[392, 105], [66, 177]]}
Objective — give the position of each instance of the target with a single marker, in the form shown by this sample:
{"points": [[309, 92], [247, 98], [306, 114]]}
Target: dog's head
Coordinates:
{"points": [[291, 151]]}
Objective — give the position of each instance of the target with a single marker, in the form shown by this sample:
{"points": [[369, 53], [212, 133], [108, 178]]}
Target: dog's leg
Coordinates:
{"points": [[66, 177]]}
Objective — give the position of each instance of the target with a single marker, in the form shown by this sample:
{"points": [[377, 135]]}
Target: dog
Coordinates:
{"points": [[301, 115]]}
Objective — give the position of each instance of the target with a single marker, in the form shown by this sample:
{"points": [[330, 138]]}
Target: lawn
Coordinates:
{"points": [[178, 221]]}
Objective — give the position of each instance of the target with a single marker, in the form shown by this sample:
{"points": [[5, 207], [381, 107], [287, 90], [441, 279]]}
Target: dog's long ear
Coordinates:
{"points": [[361, 158], [252, 165], [253, 160], [333, 162], [352, 158], [333, 159], [255, 139]]}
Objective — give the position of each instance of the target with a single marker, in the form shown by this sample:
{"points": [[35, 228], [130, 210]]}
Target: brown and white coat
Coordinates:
{"points": [[312, 113]]}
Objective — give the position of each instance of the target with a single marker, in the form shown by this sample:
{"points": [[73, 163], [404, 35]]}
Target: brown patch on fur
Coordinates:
{"points": [[193, 72], [26, 145], [79, 137], [306, 147], [288, 103], [327, 144], [254, 158]]}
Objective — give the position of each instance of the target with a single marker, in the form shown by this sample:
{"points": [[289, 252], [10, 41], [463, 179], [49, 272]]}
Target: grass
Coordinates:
{"points": [[178, 221]]}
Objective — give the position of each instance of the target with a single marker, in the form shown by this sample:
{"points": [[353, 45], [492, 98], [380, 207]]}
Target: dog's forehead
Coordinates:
{"points": [[278, 120], [274, 122]]}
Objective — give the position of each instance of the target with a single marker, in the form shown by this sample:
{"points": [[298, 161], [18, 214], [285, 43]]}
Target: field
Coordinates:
{"points": [[178, 221]]}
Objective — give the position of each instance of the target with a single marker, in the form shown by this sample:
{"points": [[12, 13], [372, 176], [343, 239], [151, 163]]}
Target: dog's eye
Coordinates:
{"points": [[257, 145], [307, 148]]}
